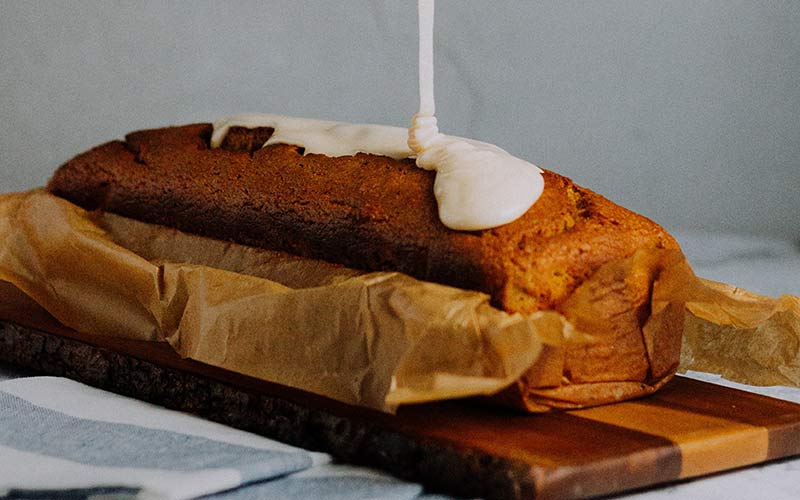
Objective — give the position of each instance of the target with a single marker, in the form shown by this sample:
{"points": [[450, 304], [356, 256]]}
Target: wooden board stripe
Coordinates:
{"points": [[572, 457], [537, 438], [780, 417], [707, 443]]}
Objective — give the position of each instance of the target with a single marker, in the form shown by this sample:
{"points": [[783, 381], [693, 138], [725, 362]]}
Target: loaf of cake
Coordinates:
{"points": [[376, 213]]}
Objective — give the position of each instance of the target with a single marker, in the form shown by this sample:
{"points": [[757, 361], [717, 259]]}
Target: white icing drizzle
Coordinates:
{"points": [[321, 137], [478, 186], [328, 138]]}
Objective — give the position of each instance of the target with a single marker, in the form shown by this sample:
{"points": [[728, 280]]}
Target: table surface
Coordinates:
{"points": [[770, 267]]}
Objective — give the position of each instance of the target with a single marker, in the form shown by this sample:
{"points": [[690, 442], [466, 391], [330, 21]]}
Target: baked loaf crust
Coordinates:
{"points": [[375, 213]]}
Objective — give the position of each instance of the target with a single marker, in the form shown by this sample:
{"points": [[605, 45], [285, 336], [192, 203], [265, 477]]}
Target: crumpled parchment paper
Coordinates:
{"points": [[373, 339]]}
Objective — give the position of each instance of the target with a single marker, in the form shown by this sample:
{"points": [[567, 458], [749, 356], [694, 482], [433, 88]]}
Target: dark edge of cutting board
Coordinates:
{"points": [[353, 435], [451, 447]]}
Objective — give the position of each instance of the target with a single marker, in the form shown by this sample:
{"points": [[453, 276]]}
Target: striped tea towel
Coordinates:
{"points": [[62, 439]]}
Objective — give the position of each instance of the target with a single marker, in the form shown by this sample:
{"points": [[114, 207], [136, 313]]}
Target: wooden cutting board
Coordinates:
{"points": [[688, 429]]}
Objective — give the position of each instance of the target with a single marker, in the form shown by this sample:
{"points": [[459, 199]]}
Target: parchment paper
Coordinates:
{"points": [[742, 336], [372, 339]]}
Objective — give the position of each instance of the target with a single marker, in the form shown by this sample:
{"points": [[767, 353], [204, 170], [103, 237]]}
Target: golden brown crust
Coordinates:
{"points": [[375, 213]]}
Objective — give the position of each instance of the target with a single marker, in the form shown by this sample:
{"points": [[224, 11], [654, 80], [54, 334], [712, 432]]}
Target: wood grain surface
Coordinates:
{"points": [[687, 429]]}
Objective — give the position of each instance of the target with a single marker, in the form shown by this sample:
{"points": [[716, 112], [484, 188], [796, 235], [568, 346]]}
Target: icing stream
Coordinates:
{"points": [[478, 186]]}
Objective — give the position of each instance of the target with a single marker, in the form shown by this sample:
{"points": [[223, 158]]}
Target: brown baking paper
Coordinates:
{"points": [[742, 336], [377, 339], [372, 339]]}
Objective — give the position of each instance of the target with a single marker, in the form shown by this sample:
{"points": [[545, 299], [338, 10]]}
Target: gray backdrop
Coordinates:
{"points": [[686, 110]]}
